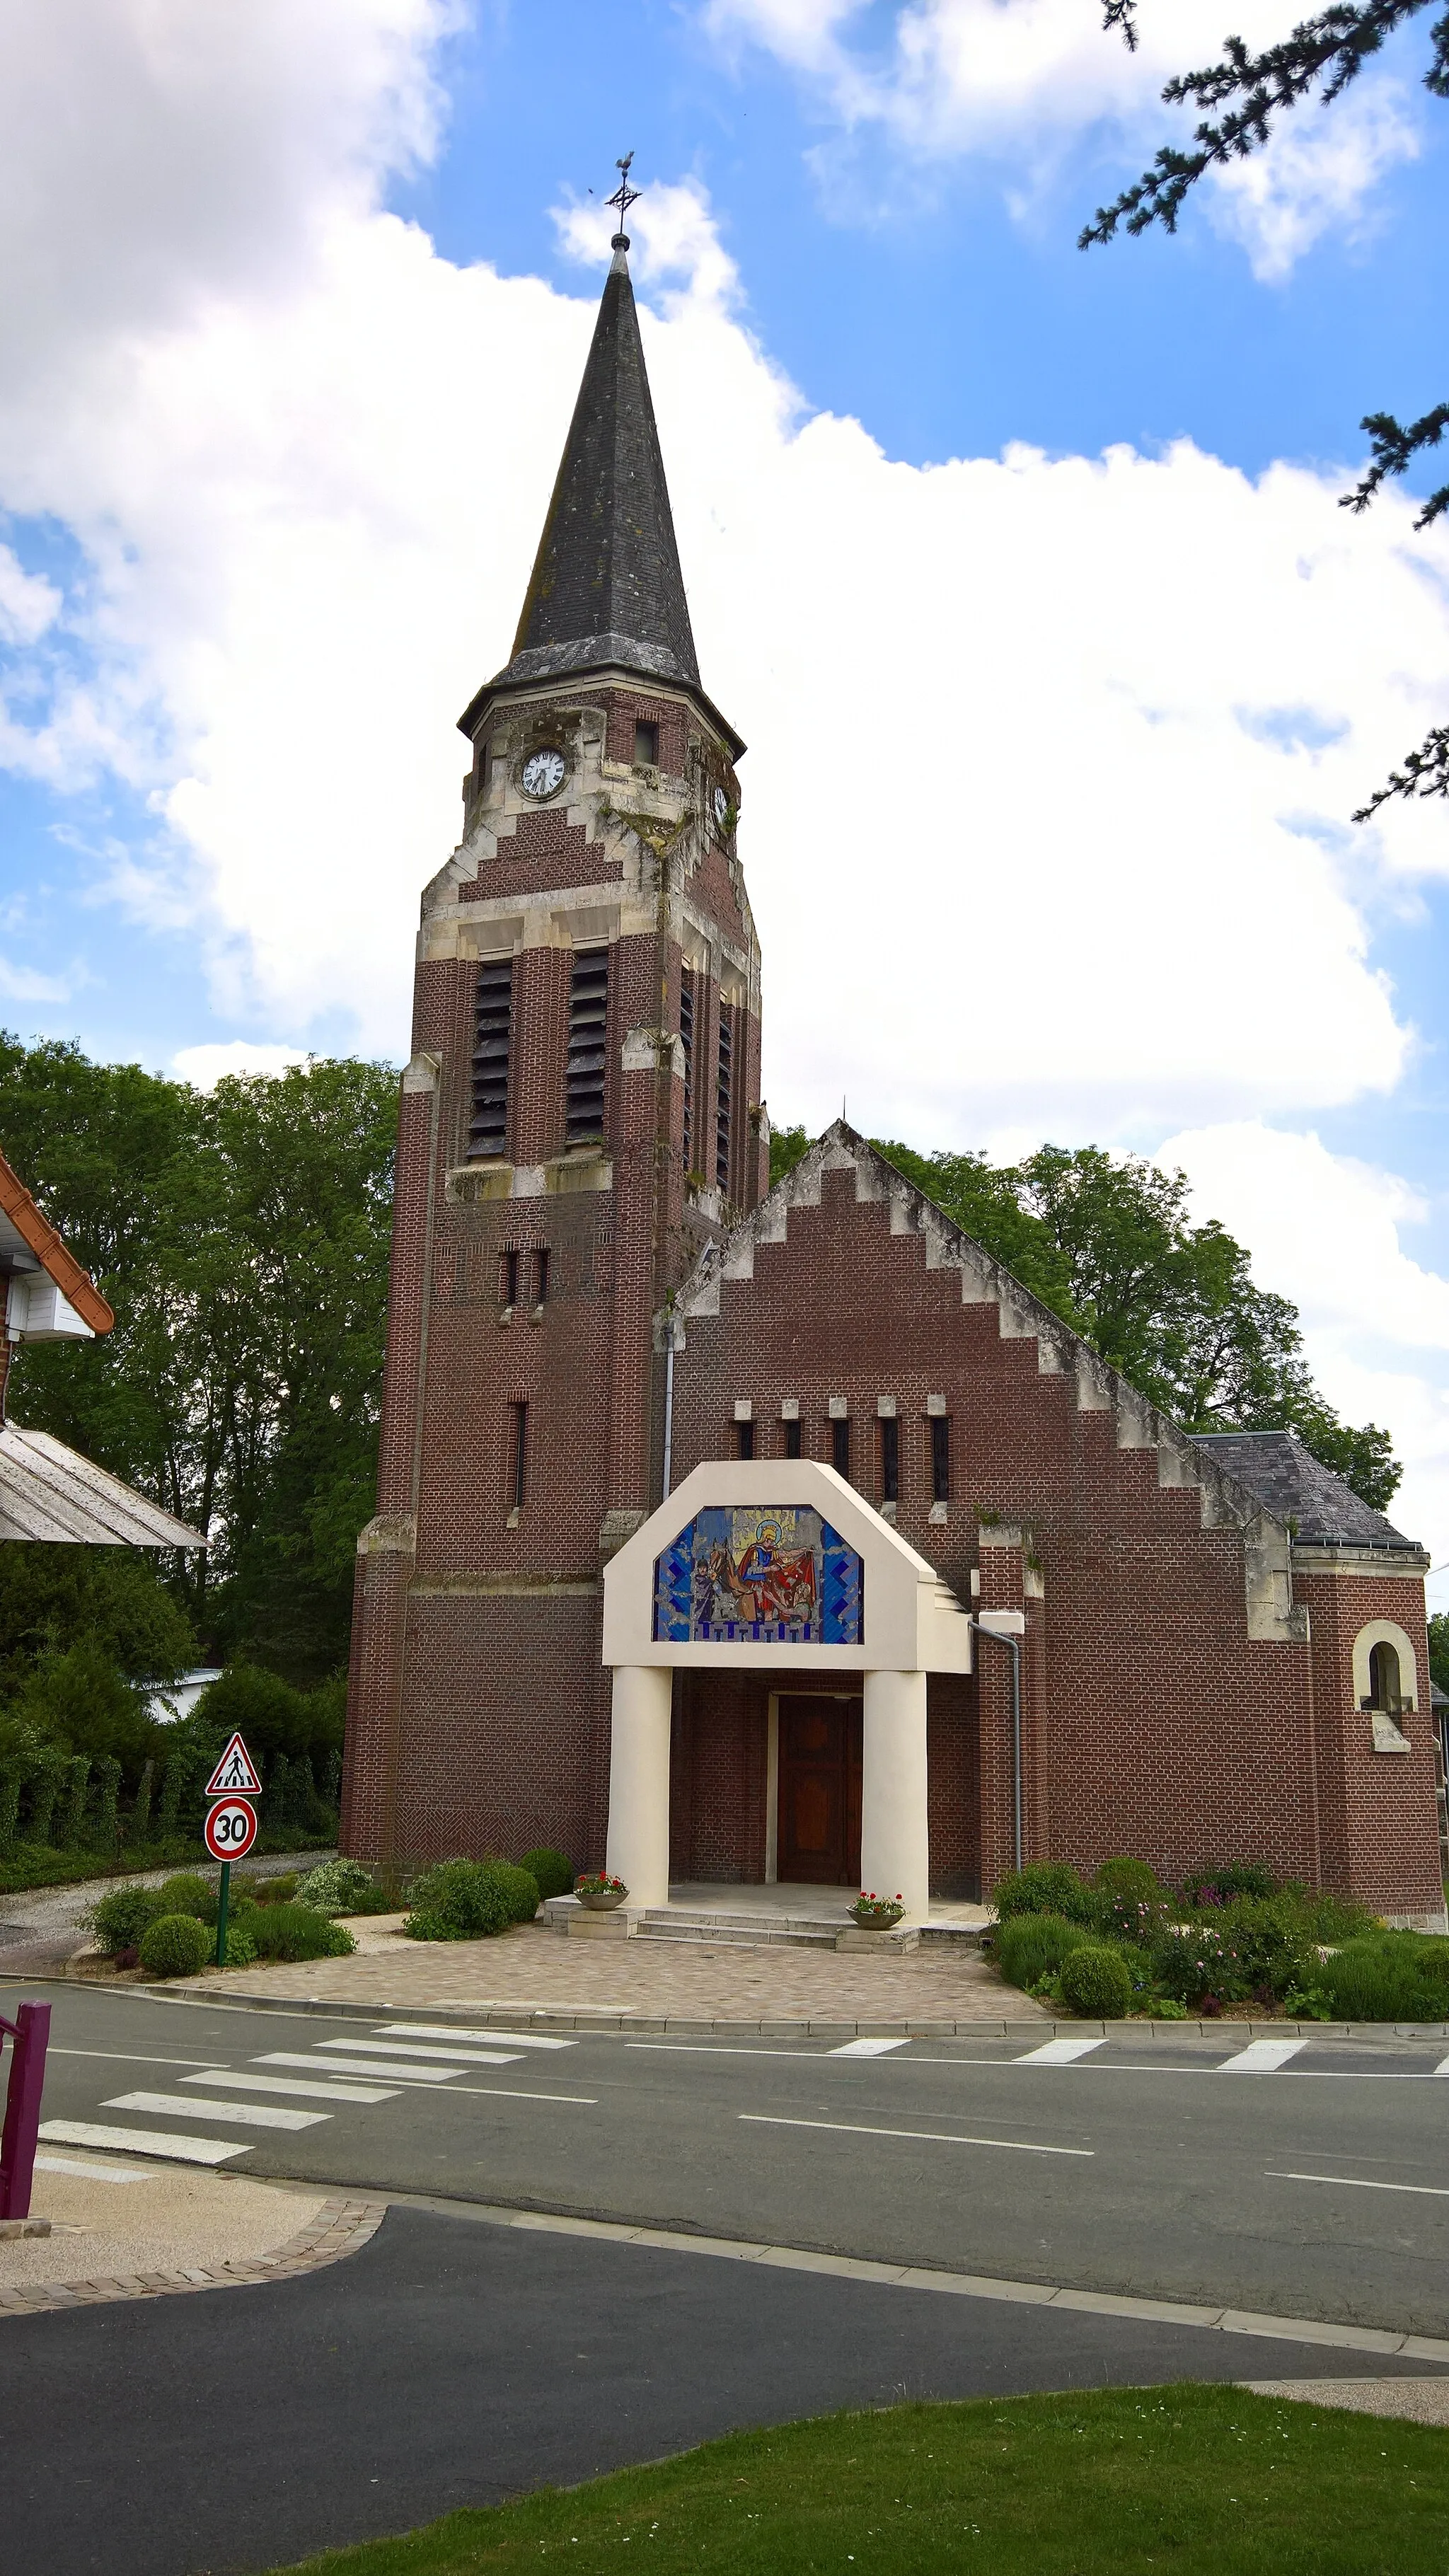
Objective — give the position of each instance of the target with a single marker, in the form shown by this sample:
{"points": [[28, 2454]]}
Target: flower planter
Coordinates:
{"points": [[601, 1900], [891, 1936]]}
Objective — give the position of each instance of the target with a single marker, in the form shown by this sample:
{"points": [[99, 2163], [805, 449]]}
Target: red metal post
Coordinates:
{"points": [[30, 2033]]}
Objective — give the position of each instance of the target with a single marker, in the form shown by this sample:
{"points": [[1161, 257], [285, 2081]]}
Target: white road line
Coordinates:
{"points": [[1261, 2057], [93, 2173], [144, 2142], [930, 2137], [290, 2084], [126, 2057], [398, 2074], [867, 2047], [425, 2049], [248, 2115], [446, 2030], [1059, 2052], [1352, 2182]]}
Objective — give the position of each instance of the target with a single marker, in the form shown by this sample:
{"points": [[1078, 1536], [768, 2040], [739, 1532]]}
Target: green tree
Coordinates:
{"points": [[242, 1238], [1249, 93], [1439, 1648]]}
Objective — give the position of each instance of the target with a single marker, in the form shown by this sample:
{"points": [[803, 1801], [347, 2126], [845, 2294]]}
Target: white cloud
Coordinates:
{"points": [[1326, 1231], [1018, 85], [28, 604], [1044, 810], [205, 1066]]}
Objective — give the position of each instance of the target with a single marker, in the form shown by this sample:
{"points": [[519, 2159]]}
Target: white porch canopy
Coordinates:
{"points": [[778, 1563]]}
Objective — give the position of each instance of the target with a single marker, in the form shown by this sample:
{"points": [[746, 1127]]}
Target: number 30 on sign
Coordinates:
{"points": [[231, 1829]]}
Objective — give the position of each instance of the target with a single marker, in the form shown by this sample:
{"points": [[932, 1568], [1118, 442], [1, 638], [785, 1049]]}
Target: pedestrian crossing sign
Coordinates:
{"points": [[235, 1774]]}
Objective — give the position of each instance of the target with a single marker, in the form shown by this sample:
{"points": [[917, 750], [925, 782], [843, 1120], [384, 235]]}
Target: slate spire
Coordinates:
{"points": [[606, 585]]}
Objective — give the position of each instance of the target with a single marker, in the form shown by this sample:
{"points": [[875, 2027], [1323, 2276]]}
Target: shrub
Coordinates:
{"points": [[189, 1893], [241, 1949], [1333, 1918], [342, 1887], [1031, 1946], [1043, 1887], [122, 1917], [1235, 1878], [1190, 1960], [297, 1932], [1095, 1981], [175, 1945], [1272, 1949], [274, 1891], [458, 1900], [1134, 1880], [554, 1874], [1399, 1976], [519, 1888]]}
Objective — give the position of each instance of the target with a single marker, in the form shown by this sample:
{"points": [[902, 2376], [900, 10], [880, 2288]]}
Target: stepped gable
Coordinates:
{"points": [[1227, 1496], [1296, 1487]]}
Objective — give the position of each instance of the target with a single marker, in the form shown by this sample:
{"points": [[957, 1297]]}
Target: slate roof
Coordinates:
{"points": [[50, 1492], [606, 585], [1296, 1486]]}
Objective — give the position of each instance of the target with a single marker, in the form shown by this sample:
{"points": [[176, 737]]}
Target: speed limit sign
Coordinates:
{"points": [[230, 1829]]}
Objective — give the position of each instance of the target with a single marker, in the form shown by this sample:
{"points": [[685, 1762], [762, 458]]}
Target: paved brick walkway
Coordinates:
{"points": [[534, 1970]]}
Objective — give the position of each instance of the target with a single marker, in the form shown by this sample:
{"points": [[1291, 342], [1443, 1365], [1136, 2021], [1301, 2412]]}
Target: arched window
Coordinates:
{"points": [[1384, 1686]]}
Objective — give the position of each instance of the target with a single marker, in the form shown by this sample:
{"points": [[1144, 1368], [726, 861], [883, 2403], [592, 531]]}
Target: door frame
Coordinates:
{"points": [[802, 1689]]}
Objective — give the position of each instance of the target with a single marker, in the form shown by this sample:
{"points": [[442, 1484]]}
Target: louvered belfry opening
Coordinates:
{"points": [[686, 1040], [492, 1041], [588, 1046], [724, 1097]]}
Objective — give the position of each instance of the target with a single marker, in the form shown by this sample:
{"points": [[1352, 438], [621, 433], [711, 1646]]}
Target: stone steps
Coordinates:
{"points": [[735, 1932]]}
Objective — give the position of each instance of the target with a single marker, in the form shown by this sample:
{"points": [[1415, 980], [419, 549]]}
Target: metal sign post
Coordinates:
{"points": [[231, 1827], [30, 2033]]}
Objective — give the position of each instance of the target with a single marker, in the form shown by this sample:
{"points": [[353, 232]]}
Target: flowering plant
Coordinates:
{"points": [[878, 1913], [597, 1882]]}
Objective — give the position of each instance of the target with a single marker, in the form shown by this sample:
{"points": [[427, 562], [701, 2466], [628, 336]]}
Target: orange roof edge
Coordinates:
{"points": [[74, 1283]]}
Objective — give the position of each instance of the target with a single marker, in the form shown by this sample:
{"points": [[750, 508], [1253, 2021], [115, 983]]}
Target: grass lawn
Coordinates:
{"points": [[1121, 2480]]}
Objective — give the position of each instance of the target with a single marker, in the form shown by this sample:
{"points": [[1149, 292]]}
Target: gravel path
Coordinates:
{"points": [[42, 1927]]}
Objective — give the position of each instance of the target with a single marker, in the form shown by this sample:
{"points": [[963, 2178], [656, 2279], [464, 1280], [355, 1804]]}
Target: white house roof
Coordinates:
{"points": [[50, 1492], [912, 1621]]}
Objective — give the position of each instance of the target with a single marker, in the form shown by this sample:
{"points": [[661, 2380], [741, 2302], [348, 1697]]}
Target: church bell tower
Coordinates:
{"points": [[580, 1116]]}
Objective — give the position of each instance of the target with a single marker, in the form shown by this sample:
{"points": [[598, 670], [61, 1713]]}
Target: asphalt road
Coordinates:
{"points": [[451, 2362], [1316, 2188]]}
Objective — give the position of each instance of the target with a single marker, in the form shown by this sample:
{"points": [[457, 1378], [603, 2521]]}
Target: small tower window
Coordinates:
{"points": [[724, 1097], [492, 1043], [840, 1446], [646, 746], [792, 1438], [686, 1039], [518, 1455], [890, 1459], [940, 1458], [744, 1439], [588, 1048], [1384, 1683]]}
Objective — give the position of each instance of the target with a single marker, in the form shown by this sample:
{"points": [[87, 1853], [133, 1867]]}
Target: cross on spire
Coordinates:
{"points": [[623, 197]]}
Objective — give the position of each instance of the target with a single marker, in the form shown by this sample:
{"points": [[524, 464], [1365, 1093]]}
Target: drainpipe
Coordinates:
{"points": [[1013, 1648], [668, 1408]]}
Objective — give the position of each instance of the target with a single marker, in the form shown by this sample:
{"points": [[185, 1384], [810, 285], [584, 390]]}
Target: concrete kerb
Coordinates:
{"points": [[502, 2016]]}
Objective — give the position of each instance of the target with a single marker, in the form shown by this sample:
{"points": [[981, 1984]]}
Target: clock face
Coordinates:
{"points": [[544, 773], [721, 804]]}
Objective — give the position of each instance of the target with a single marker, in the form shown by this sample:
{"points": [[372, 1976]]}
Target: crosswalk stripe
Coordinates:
{"points": [[248, 2115], [425, 2049], [93, 2173], [446, 2030], [290, 2084], [1443, 2067], [1059, 2052], [867, 2047], [1261, 2057], [402, 2074], [174, 2149]]}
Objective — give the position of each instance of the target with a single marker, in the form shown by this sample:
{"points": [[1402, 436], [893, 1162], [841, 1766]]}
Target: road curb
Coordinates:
{"points": [[341, 2227]]}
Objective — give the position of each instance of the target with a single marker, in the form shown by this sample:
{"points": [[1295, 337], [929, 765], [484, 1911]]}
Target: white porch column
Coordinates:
{"points": [[638, 1850], [894, 1845]]}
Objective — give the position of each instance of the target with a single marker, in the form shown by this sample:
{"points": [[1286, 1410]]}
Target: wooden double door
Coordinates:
{"points": [[818, 1811]]}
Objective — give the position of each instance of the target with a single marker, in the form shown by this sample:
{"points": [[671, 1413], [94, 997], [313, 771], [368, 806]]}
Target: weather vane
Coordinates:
{"points": [[623, 197]]}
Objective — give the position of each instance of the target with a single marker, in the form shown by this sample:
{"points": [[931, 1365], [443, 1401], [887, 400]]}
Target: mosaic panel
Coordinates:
{"points": [[749, 1576]]}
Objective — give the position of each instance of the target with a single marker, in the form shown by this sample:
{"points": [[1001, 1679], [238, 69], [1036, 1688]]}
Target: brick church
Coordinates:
{"points": [[759, 1534]]}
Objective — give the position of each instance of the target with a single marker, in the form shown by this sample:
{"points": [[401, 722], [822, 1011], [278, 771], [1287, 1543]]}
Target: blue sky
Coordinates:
{"points": [[272, 465]]}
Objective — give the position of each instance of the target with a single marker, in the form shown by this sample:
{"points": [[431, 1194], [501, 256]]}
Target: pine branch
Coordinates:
{"points": [[1424, 773], [1326, 52], [1394, 447], [1122, 15]]}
